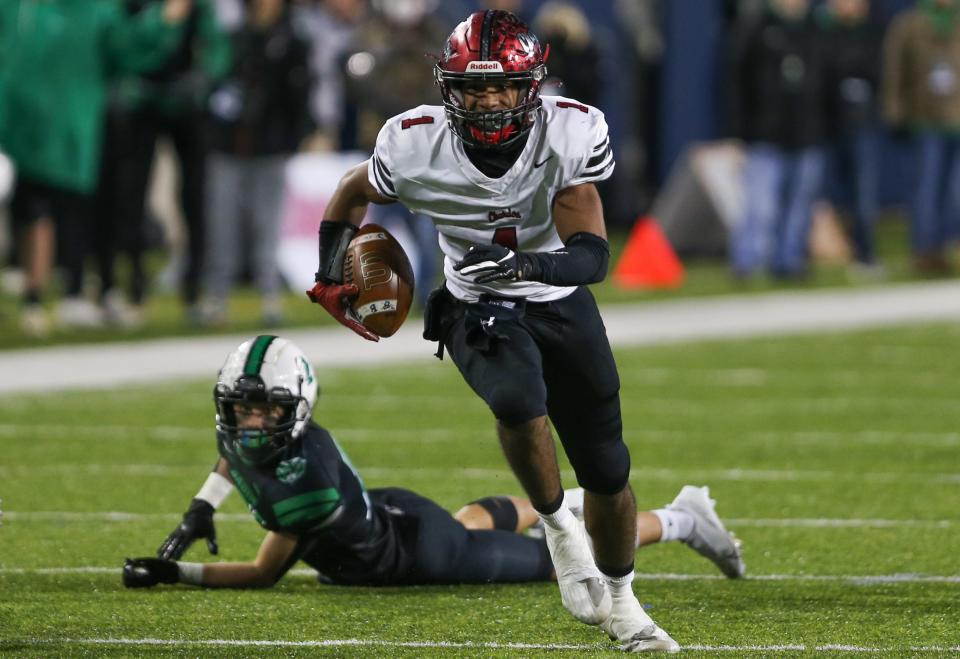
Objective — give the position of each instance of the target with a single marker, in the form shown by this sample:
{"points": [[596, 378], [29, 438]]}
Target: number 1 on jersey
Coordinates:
{"points": [[506, 236]]}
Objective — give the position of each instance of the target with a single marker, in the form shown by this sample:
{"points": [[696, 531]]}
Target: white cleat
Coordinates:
{"points": [[583, 591], [636, 631], [709, 537]]}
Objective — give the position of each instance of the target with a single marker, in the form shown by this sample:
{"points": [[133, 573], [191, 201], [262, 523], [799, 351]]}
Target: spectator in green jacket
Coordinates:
{"points": [[58, 56], [167, 101]]}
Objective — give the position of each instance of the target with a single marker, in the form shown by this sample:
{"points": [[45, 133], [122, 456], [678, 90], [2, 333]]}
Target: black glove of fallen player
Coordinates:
{"points": [[197, 523], [491, 263], [146, 572]]}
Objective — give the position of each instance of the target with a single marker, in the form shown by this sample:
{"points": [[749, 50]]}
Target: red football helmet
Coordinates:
{"points": [[493, 46]]}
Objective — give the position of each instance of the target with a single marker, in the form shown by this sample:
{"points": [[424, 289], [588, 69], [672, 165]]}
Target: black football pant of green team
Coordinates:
{"points": [[554, 359], [443, 551]]}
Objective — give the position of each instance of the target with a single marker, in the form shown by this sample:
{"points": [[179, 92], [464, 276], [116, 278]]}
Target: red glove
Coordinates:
{"points": [[336, 298]]}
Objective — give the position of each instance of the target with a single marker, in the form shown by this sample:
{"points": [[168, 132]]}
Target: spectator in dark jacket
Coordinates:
{"points": [[574, 69], [260, 115], [777, 107], [854, 42]]}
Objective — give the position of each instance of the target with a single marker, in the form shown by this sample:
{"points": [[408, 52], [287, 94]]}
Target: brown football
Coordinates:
{"points": [[379, 267]]}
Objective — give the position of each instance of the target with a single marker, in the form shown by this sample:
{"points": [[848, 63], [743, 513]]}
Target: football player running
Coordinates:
{"points": [[301, 488], [508, 177]]}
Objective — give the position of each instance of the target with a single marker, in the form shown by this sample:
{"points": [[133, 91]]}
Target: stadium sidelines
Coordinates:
{"points": [[144, 362], [357, 642]]}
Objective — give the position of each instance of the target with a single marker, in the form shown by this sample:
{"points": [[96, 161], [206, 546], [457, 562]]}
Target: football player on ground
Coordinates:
{"points": [[301, 487], [508, 177]]}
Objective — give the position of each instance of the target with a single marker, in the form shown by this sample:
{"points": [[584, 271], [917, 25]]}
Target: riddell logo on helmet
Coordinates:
{"points": [[484, 67]]}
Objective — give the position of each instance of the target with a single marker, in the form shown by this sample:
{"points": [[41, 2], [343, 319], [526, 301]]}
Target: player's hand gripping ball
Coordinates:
{"points": [[377, 265]]}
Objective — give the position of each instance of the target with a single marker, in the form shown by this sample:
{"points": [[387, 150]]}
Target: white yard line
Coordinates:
{"points": [[107, 516], [110, 432], [150, 362], [858, 579], [479, 473], [827, 523], [759, 522], [30, 431], [484, 645]]}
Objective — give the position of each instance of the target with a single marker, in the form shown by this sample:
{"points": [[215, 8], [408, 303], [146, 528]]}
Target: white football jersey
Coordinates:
{"points": [[422, 164]]}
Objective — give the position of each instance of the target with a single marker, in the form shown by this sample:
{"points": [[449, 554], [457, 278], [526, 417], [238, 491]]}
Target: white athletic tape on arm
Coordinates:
{"points": [[215, 489], [190, 573]]}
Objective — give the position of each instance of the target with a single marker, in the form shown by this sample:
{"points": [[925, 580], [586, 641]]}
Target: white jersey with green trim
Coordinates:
{"points": [[422, 164]]}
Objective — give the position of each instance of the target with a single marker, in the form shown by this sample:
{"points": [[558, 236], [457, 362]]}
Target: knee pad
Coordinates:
{"points": [[502, 510]]}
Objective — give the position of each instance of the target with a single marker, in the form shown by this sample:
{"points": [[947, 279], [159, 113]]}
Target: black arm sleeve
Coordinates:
{"points": [[335, 237], [583, 261]]}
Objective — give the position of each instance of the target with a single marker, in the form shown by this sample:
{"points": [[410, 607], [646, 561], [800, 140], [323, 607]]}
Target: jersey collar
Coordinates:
{"points": [[518, 169]]}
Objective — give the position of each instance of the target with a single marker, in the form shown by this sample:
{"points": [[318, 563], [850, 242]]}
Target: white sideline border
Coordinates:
{"points": [[862, 580], [484, 645], [648, 323]]}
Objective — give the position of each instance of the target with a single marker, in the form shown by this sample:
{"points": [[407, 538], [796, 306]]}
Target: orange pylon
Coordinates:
{"points": [[648, 260]]}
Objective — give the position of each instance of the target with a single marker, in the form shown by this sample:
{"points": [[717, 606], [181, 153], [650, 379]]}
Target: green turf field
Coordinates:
{"points": [[834, 458]]}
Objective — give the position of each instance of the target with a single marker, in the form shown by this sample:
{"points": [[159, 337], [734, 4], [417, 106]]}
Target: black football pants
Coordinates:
{"points": [[444, 552], [554, 359]]}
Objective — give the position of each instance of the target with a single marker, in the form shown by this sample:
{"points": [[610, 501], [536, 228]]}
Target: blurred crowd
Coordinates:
{"points": [[90, 90], [813, 91]]}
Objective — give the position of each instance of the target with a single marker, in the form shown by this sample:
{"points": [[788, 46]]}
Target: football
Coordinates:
{"points": [[379, 267]]}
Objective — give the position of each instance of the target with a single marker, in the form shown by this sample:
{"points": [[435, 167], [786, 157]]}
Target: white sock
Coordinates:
{"points": [[620, 586], [561, 520], [573, 498], [675, 524]]}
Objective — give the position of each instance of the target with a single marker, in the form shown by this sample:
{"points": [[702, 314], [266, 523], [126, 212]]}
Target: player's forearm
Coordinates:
{"points": [[234, 575], [584, 260], [223, 468], [341, 217], [350, 199], [275, 555], [347, 209]]}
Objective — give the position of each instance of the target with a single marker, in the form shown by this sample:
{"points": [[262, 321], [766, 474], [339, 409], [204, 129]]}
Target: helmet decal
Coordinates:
{"points": [[526, 44], [255, 356], [488, 17], [306, 368]]}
